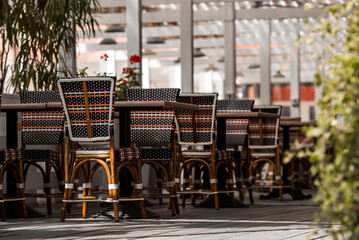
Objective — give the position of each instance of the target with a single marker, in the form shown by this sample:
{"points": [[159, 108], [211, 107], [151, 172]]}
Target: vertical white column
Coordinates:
{"points": [[229, 50], [265, 86], [134, 30], [176, 77], [146, 72], [186, 25], [295, 83], [111, 63]]}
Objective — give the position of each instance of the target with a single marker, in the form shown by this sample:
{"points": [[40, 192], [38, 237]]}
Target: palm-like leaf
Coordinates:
{"points": [[41, 31]]}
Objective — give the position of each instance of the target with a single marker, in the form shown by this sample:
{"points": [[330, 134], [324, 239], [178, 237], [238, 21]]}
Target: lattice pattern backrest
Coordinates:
{"points": [[236, 129], [41, 127], [152, 94], [150, 128], [93, 122], [270, 127], [196, 127]]}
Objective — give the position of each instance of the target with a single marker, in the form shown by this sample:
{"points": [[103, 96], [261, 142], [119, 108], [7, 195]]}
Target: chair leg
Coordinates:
{"points": [[2, 210], [214, 186], [246, 179], [230, 182], [172, 188], [21, 191], [64, 205], [279, 168], [216, 196], [116, 205], [140, 190], [185, 185], [85, 179], [196, 182], [24, 209], [47, 188], [248, 184], [172, 201]]}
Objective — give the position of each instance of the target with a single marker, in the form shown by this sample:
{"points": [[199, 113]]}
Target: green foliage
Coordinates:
{"points": [[40, 32], [122, 86], [335, 157]]}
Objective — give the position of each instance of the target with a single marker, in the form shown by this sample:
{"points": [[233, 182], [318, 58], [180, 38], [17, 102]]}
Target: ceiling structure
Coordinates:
{"points": [[160, 20]]}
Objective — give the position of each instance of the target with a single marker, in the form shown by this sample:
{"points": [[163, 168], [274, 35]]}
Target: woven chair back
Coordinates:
{"points": [[196, 127], [88, 105], [41, 127], [263, 133], [236, 129], [152, 128]]}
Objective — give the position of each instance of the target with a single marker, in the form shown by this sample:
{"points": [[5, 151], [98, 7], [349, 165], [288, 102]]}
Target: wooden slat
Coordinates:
{"points": [[88, 119], [194, 126], [247, 115], [21, 106], [297, 123]]}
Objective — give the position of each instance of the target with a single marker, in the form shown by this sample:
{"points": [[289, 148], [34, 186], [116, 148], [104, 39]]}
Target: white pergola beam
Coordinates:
{"points": [[265, 70], [295, 82], [122, 3], [249, 14], [229, 50], [242, 28], [134, 30], [186, 38]]}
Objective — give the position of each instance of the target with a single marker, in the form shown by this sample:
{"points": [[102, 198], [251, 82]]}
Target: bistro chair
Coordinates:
{"points": [[10, 161], [264, 149], [236, 140], [88, 104], [42, 128], [197, 145], [153, 133], [298, 170]]}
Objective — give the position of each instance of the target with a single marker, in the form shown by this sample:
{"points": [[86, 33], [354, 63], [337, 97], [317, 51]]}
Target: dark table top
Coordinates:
{"points": [[132, 105], [247, 115]]}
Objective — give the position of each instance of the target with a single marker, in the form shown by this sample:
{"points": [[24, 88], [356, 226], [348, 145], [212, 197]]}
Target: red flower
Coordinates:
{"points": [[105, 55], [135, 58], [127, 70]]}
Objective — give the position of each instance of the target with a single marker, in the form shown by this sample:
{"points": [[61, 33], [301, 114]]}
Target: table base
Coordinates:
{"points": [[130, 210], [225, 201]]}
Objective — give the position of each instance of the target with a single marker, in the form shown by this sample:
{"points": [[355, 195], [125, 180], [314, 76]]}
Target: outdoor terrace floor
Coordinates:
{"points": [[265, 220]]}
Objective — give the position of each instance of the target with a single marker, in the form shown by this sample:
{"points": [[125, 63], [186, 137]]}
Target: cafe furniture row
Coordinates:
{"points": [[154, 136]]}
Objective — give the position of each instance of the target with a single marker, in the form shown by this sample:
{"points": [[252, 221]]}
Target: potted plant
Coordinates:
{"points": [[129, 78]]}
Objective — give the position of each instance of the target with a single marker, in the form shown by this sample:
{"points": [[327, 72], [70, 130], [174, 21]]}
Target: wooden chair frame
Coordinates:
{"points": [[78, 161]]}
